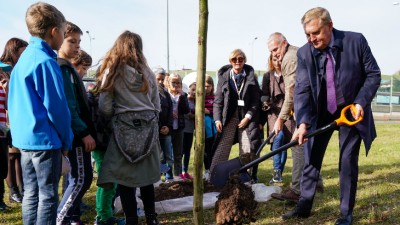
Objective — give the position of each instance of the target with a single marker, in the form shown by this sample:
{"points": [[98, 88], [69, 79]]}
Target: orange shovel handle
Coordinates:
{"points": [[342, 120]]}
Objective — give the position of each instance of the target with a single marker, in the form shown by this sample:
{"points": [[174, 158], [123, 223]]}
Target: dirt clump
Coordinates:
{"points": [[235, 204], [179, 189]]}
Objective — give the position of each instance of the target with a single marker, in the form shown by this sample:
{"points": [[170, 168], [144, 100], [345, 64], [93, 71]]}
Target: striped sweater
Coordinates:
{"points": [[2, 111], [208, 103]]}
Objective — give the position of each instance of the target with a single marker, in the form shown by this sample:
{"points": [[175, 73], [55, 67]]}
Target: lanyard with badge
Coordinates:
{"points": [[240, 101]]}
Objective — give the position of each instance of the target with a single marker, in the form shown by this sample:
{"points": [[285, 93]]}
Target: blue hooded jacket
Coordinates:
{"points": [[38, 110]]}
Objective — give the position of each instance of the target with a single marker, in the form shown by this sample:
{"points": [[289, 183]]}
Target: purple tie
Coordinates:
{"points": [[330, 84]]}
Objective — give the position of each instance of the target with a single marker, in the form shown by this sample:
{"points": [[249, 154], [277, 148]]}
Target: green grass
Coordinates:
{"points": [[378, 191]]}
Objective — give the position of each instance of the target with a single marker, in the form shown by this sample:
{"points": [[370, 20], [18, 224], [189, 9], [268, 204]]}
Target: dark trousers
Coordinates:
{"points": [[187, 146], [79, 182], [177, 145], [349, 144], [208, 152], [3, 165], [128, 200]]}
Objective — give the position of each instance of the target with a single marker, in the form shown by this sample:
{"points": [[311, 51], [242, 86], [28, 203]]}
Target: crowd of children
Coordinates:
{"points": [[55, 122]]}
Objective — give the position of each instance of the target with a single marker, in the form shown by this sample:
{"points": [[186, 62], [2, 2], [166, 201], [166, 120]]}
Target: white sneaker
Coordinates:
{"points": [[206, 175]]}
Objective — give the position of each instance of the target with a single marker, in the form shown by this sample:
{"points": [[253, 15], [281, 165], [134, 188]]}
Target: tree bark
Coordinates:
{"points": [[198, 185]]}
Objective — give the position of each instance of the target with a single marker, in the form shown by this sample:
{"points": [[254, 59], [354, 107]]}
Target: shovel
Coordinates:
{"points": [[221, 176], [221, 172]]}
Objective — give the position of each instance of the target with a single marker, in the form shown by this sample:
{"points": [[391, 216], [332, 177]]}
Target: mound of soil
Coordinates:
{"points": [[178, 189], [236, 204]]}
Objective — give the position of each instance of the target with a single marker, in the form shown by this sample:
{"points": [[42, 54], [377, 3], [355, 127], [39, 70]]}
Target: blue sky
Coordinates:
{"points": [[232, 24]]}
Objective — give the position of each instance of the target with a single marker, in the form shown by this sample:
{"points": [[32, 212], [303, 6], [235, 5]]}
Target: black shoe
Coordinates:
{"points": [[296, 213], [151, 219], [15, 197], [3, 206], [344, 220], [131, 220]]}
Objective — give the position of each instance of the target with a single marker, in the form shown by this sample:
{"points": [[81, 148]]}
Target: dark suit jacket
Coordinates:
{"points": [[357, 72]]}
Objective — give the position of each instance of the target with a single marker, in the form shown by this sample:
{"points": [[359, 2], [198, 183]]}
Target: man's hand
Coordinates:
{"points": [[278, 126], [218, 124], [359, 112], [243, 123], [89, 143], [299, 134]]}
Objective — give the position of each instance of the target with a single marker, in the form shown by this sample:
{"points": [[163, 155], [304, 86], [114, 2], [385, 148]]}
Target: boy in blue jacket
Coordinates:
{"points": [[39, 116]]}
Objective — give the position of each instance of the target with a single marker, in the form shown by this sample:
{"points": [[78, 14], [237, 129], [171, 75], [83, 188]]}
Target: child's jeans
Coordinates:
{"points": [[168, 155], [41, 172]]}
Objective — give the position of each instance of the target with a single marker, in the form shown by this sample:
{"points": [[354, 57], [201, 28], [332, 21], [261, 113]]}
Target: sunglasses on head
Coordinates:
{"points": [[239, 59]]}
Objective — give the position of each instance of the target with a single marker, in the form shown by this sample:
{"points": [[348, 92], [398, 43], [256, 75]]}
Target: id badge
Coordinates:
{"points": [[240, 103]]}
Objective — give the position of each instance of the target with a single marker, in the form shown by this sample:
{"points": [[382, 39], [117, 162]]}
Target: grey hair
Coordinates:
{"points": [[276, 37], [317, 13]]}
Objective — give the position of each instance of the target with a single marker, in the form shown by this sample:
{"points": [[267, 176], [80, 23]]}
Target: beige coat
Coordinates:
{"points": [[288, 67]]}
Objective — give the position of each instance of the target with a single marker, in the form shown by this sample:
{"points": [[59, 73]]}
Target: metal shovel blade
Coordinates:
{"points": [[223, 170], [220, 174]]}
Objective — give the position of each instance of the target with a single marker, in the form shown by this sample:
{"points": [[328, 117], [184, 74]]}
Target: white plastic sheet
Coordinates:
{"points": [[185, 204]]}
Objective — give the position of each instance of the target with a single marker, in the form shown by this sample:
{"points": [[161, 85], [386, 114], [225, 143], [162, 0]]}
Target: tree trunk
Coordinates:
{"points": [[198, 212]]}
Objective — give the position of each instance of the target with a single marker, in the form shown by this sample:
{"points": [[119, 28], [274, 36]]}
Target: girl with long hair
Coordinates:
{"points": [[129, 95]]}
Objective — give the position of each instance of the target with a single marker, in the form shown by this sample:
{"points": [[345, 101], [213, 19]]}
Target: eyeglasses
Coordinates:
{"points": [[239, 59]]}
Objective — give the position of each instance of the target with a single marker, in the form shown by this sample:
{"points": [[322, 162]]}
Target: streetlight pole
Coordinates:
{"points": [[90, 42], [252, 50], [167, 38]]}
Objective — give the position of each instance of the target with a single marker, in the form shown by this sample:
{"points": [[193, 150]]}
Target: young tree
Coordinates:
{"points": [[198, 212]]}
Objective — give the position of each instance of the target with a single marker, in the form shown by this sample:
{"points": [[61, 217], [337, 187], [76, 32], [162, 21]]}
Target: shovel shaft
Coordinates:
{"points": [[286, 146], [270, 136]]}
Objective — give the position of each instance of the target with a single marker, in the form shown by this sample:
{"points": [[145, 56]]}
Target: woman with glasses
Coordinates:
{"points": [[236, 109]]}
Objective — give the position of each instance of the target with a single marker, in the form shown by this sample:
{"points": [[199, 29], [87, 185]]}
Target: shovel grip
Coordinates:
{"points": [[342, 120]]}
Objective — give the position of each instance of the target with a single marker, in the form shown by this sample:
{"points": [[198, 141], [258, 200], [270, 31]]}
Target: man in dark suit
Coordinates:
{"points": [[334, 69]]}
